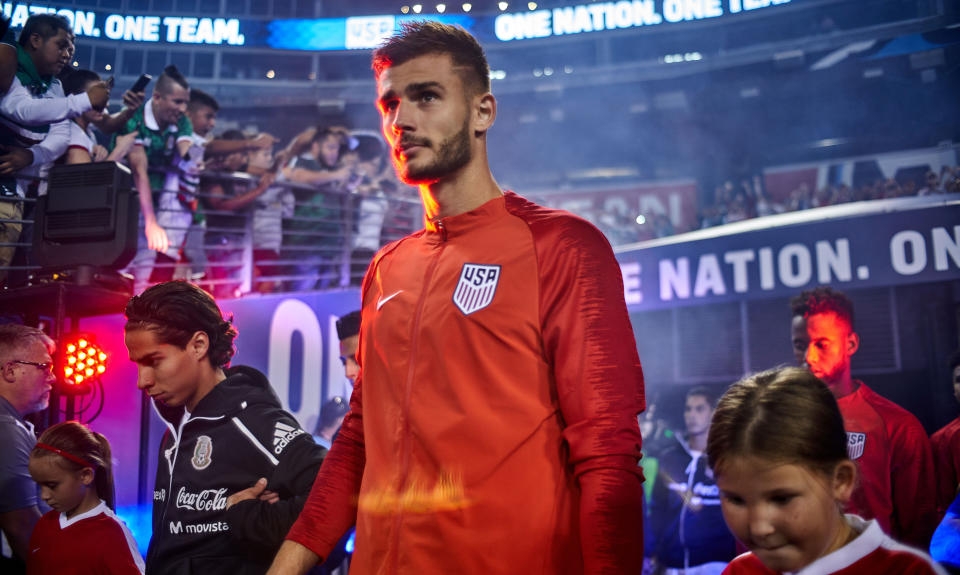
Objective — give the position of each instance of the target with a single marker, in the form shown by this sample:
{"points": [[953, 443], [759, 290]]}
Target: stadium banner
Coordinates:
{"points": [[675, 199], [366, 32], [784, 254]]}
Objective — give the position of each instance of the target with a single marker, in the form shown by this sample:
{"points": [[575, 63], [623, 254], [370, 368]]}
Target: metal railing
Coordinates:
{"points": [[292, 237]]}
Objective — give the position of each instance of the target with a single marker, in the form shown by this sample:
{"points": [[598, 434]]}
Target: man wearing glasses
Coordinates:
{"points": [[26, 377]]}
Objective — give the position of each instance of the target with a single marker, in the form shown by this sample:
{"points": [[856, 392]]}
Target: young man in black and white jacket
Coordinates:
{"points": [[685, 532], [227, 432]]}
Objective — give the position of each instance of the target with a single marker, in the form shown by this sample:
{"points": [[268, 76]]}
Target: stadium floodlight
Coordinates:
{"points": [[503, 6], [441, 8], [417, 8], [87, 218], [467, 6]]}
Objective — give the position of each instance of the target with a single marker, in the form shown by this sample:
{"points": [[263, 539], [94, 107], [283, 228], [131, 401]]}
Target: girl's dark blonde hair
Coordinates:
{"points": [[80, 441], [784, 415]]}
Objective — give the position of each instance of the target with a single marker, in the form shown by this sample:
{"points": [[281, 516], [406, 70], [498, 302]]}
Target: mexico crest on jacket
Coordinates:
{"points": [[202, 453], [476, 287]]}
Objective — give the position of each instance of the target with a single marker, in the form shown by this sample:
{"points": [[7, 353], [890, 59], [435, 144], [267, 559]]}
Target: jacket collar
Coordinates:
{"points": [[149, 120], [100, 508], [28, 75], [443, 229], [7, 408], [243, 385]]}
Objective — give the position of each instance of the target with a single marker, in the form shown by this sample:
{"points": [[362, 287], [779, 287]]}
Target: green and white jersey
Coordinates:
{"points": [[159, 145]]}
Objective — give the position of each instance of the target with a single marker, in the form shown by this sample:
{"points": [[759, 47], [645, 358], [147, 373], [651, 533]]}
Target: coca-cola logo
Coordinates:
{"points": [[206, 500]]}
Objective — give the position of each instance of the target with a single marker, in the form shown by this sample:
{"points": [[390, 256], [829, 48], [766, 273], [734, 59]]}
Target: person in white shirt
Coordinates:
{"points": [[82, 147], [34, 125]]}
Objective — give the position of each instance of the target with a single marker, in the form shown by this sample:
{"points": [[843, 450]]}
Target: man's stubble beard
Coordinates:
{"points": [[451, 155]]}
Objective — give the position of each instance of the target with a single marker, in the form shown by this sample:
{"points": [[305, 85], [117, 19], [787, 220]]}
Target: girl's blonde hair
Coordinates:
{"points": [[77, 442]]}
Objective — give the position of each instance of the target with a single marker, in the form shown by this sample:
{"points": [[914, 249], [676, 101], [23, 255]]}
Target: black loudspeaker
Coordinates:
{"points": [[89, 217]]}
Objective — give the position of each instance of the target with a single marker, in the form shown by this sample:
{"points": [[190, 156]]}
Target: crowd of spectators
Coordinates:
{"points": [[733, 203], [747, 200], [312, 214], [232, 211], [237, 212]]}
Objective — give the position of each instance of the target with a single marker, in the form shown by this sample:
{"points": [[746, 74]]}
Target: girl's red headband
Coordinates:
{"points": [[69, 456]]}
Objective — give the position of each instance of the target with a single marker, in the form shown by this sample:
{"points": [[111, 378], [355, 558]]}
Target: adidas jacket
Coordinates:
{"points": [[237, 434], [686, 526]]}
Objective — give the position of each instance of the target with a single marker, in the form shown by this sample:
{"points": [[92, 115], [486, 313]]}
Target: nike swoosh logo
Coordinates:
{"points": [[384, 300]]}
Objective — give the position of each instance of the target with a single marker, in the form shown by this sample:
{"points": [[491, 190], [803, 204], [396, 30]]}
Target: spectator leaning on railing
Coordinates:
{"points": [[370, 201], [225, 200], [932, 186], [83, 147], [34, 125], [314, 236], [163, 135], [202, 111], [270, 207]]}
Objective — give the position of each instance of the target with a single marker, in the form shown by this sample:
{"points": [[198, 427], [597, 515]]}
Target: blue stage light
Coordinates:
{"points": [[350, 541], [139, 520]]}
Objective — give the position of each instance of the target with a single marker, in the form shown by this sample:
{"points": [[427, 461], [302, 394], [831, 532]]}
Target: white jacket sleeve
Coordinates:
{"points": [[53, 146], [21, 107]]}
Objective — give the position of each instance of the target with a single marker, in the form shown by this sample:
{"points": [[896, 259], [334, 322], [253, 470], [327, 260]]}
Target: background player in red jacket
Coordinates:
{"points": [[889, 445]]}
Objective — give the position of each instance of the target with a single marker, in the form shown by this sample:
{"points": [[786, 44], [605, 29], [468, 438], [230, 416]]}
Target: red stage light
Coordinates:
{"points": [[83, 362]]}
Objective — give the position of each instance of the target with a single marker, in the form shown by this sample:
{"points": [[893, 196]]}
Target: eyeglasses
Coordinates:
{"points": [[45, 367]]}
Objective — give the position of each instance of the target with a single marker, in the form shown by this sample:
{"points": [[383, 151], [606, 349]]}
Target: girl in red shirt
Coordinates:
{"points": [[80, 535], [778, 449]]}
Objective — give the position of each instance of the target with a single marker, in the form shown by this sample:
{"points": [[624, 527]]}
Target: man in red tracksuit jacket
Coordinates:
{"points": [[897, 484], [493, 426]]}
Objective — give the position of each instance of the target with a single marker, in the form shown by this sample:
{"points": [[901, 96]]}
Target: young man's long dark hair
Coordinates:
{"points": [[175, 311]]}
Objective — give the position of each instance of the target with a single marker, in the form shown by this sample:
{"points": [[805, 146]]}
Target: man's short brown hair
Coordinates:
{"points": [[420, 38]]}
